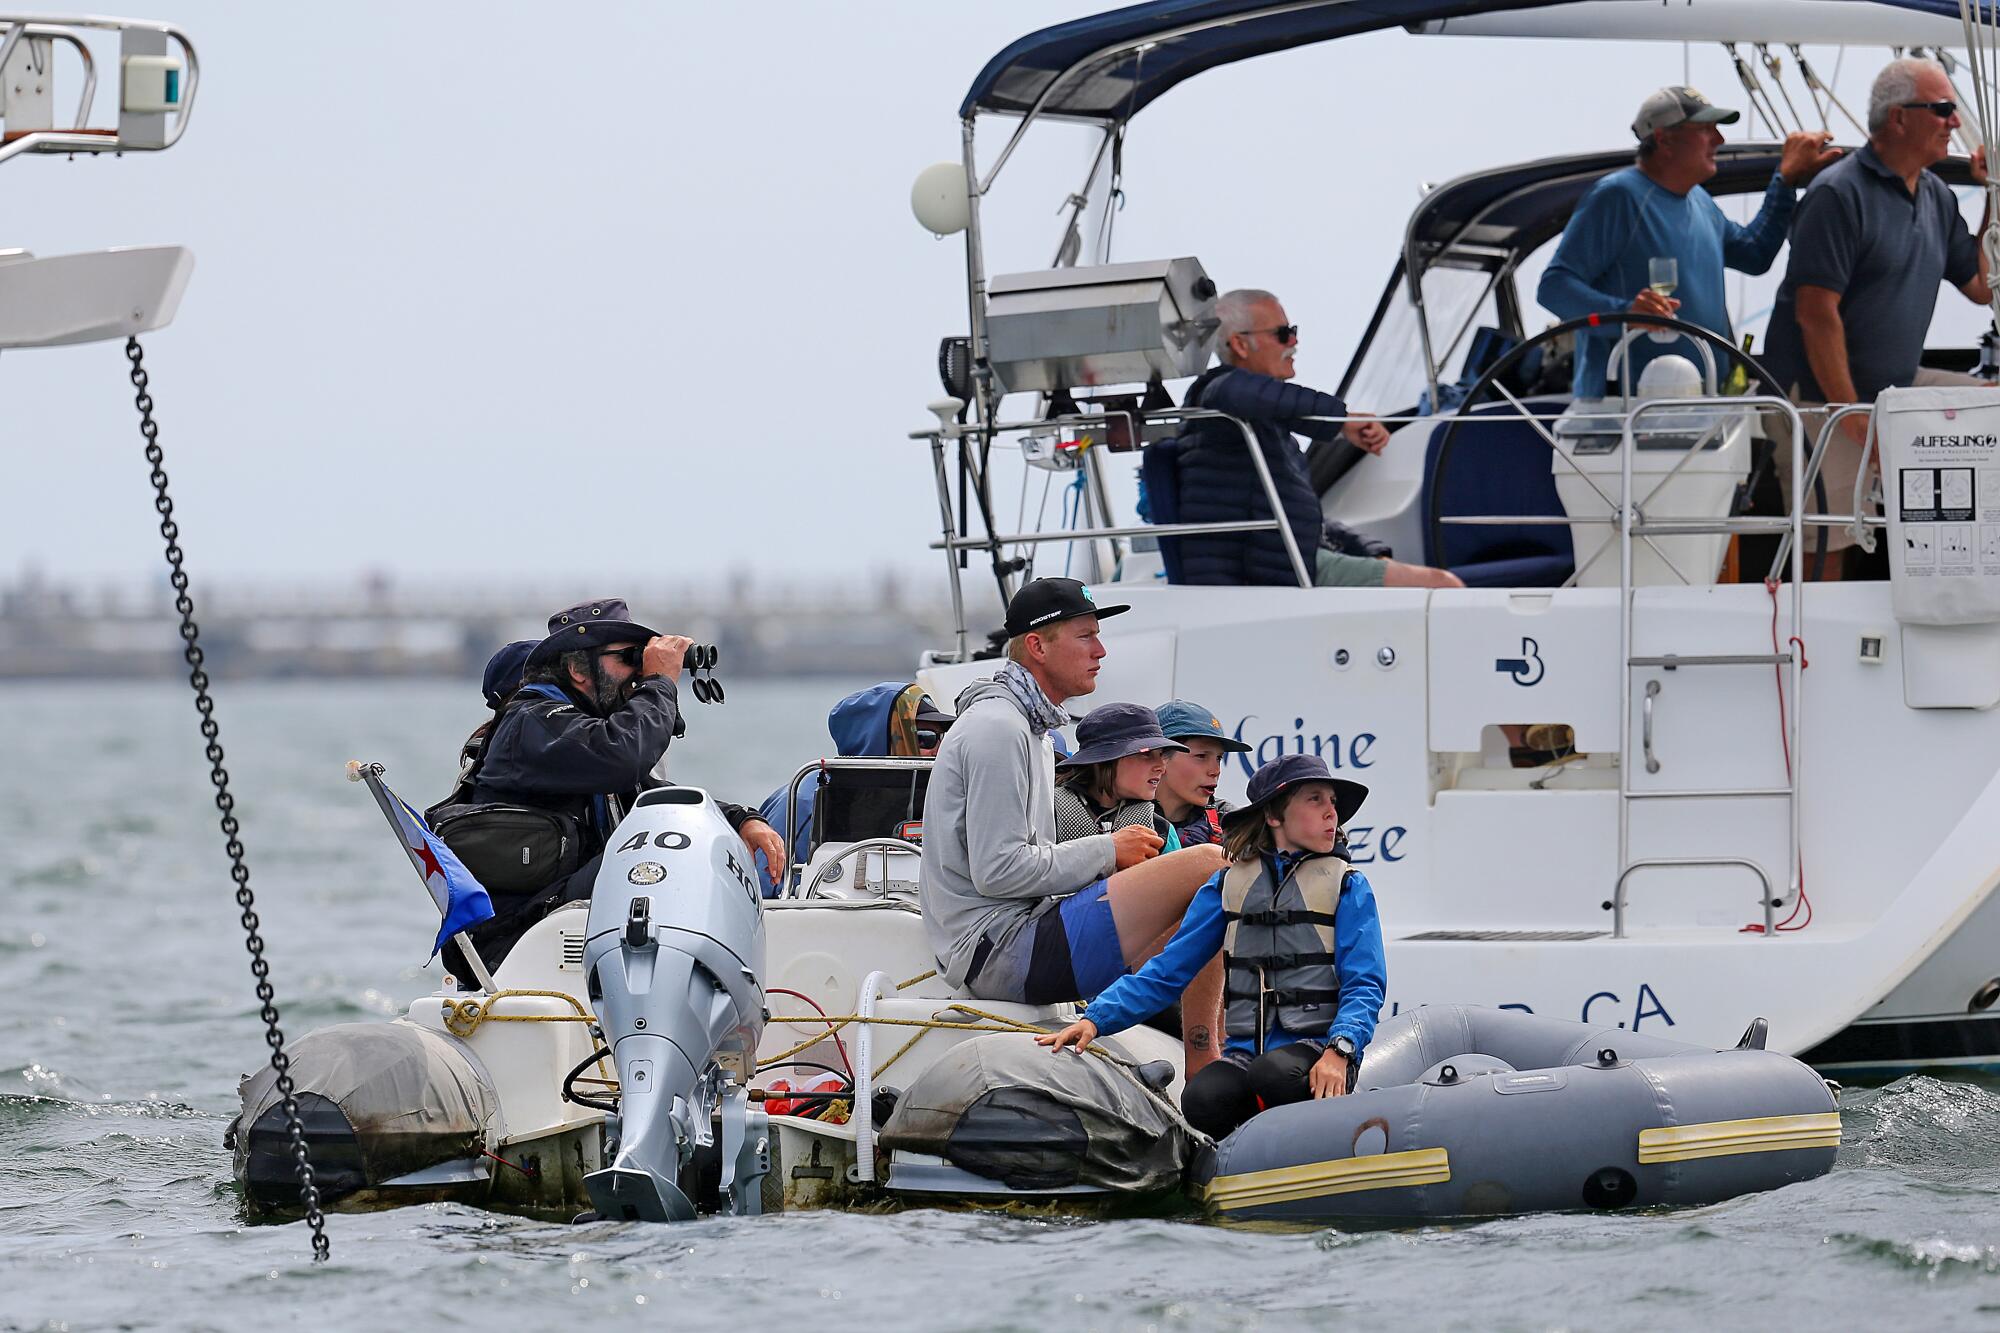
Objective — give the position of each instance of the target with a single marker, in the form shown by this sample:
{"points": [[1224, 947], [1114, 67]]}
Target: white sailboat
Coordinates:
{"points": [[1733, 834]]}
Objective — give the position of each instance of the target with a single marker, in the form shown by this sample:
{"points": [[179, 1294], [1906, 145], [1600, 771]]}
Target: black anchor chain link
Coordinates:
{"points": [[226, 803]]}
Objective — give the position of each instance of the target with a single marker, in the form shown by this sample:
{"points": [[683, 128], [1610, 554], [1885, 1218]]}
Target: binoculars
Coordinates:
{"points": [[699, 662]]}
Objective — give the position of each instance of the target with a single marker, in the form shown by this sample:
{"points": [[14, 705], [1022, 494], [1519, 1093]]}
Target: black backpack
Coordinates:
{"points": [[514, 851]]}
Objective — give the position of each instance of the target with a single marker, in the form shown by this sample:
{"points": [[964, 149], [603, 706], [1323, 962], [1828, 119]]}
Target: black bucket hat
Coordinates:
{"points": [[597, 624], [1112, 731], [1045, 601], [1289, 771]]}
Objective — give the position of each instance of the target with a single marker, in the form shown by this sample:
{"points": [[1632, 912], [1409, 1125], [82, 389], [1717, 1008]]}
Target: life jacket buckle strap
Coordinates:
{"points": [[1303, 996], [1279, 962]]}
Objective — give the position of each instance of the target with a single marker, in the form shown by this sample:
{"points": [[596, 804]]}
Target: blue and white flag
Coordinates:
{"points": [[460, 897]]}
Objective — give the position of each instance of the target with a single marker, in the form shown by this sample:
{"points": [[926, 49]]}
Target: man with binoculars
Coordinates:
{"points": [[598, 705]]}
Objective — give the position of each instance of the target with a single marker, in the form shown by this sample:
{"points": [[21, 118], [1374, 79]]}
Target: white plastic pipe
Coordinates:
{"points": [[864, 1078]]}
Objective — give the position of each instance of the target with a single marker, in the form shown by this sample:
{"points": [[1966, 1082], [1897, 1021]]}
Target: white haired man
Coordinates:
{"points": [[1256, 343], [1874, 236]]}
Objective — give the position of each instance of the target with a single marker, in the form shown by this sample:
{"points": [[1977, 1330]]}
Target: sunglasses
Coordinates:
{"points": [[1286, 334], [1942, 110], [929, 738], [631, 655]]}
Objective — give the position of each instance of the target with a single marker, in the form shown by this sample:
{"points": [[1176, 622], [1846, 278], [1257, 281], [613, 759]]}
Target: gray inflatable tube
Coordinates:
{"points": [[1470, 1112]]}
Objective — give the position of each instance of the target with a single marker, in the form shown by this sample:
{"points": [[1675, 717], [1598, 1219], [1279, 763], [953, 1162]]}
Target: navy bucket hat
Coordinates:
{"points": [[587, 625], [1289, 771], [1112, 731], [503, 671]]}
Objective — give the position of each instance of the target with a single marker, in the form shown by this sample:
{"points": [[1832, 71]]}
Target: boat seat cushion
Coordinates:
{"points": [[1498, 467]]}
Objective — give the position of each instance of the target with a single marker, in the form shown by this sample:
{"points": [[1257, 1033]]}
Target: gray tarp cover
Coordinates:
{"points": [[1002, 1107], [411, 1095]]}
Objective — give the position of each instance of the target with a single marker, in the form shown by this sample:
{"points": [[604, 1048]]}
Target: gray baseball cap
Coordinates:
{"points": [[1679, 105]]}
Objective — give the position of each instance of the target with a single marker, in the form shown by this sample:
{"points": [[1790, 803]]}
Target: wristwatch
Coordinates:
{"points": [[1344, 1047]]}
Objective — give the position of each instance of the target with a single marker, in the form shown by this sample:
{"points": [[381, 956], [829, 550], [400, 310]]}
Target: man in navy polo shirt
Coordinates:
{"points": [[1657, 209], [1873, 239]]}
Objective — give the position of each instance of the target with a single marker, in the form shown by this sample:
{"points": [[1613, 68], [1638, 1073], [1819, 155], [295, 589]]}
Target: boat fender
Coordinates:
{"points": [[1462, 1067]]}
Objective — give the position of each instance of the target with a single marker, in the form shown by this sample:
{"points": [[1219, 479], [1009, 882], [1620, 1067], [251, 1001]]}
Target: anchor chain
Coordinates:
{"points": [[225, 802]]}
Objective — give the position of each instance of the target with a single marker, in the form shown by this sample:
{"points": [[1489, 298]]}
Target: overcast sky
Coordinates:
{"points": [[484, 290]]}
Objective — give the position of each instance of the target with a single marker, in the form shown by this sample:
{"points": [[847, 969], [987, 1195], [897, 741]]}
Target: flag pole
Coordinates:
{"points": [[372, 775]]}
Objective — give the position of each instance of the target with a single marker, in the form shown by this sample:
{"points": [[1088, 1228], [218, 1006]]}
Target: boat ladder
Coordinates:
{"points": [[1635, 525]]}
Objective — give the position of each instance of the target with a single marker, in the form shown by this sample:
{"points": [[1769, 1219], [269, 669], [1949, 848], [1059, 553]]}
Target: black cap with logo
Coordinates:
{"points": [[1045, 601]]}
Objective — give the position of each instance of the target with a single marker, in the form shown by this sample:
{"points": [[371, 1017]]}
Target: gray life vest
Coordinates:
{"points": [[1075, 818], [1278, 948]]}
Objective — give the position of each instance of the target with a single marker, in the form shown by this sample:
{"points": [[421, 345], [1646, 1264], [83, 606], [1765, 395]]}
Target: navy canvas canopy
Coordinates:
{"points": [[1516, 208], [1108, 66]]}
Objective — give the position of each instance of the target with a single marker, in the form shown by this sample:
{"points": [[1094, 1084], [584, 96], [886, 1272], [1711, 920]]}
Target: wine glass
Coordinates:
{"points": [[1663, 275]]}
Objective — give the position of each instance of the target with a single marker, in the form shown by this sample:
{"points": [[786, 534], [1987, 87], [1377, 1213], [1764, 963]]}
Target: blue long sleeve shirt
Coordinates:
{"points": [[1358, 960], [1626, 219]]}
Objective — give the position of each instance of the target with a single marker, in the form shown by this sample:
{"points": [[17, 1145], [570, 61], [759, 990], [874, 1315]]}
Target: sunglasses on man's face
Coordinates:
{"points": [[929, 738], [1942, 110], [631, 655], [1286, 334]]}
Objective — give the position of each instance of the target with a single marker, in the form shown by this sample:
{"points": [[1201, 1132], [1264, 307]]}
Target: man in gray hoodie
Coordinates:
{"points": [[1011, 913]]}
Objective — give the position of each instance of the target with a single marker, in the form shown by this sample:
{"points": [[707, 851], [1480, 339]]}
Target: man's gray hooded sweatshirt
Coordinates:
{"points": [[991, 860]]}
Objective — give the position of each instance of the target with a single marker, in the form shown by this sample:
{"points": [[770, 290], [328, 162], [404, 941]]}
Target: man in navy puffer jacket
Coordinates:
{"points": [[1218, 484]]}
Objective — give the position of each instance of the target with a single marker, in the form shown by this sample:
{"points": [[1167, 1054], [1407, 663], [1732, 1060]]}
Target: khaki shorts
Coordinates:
{"points": [[1331, 569], [1842, 461]]}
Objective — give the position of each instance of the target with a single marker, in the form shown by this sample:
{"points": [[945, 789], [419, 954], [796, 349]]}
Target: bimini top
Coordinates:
{"points": [[1107, 67], [1512, 210]]}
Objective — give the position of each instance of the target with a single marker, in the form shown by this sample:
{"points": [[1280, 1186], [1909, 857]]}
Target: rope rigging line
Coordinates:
{"points": [[1982, 37], [1777, 69], [1760, 102], [1816, 89], [225, 802]]}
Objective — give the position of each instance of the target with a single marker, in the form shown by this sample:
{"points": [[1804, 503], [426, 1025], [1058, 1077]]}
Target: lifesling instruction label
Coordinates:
{"points": [[1950, 506]]}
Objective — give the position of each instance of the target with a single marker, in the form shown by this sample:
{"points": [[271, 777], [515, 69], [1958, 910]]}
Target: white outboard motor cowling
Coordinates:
{"points": [[674, 951]]}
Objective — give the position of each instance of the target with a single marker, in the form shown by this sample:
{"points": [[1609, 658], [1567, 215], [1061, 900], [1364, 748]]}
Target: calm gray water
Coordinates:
{"points": [[126, 1017]]}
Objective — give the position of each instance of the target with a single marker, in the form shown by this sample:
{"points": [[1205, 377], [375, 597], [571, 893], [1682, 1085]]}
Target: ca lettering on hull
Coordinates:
{"points": [[1604, 1006]]}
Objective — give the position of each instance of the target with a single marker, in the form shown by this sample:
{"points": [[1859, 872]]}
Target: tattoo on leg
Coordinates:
{"points": [[1197, 1037]]}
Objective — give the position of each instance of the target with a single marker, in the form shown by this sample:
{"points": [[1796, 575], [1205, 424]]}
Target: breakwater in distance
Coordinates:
{"points": [[374, 626]]}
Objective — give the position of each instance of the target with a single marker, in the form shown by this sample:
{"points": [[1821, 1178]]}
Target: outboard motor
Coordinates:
{"points": [[674, 951]]}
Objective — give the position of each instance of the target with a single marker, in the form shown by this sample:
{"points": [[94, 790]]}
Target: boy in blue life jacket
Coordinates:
{"points": [[1302, 953]]}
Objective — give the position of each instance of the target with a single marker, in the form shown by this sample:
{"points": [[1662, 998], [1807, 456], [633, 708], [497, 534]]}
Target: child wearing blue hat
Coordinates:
{"points": [[1186, 795], [1302, 953]]}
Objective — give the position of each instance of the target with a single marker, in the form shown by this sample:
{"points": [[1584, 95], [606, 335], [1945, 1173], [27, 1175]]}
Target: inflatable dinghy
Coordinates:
{"points": [[1471, 1112]]}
